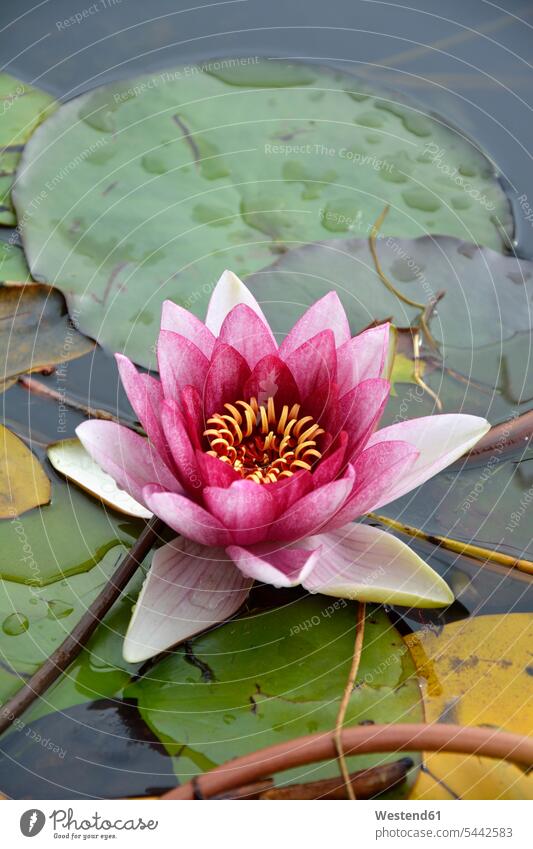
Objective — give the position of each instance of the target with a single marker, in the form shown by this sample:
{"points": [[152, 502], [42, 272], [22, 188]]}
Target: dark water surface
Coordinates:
{"points": [[466, 61]]}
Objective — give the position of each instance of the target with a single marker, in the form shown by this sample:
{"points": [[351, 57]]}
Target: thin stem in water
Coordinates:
{"points": [[45, 391], [381, 274], [348, 690], [417, 370]]}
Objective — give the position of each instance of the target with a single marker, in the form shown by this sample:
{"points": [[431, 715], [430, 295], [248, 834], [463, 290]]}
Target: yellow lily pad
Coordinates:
{"points": [[70, 458], [476, 672], [23, 481]]}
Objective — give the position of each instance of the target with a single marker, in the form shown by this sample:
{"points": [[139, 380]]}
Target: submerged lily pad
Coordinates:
{"points": [[82, 742], [481, 324], [23, 481], [486, 502], [35, 330], [486, 296], [272, 676], [22, 108], [154, 185]]}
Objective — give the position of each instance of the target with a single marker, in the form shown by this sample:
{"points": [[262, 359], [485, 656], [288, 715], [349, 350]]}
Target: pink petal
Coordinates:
{"points": [[193, 413], [225, 379], [359, 412], [330, 466], [365, 563], [228, 293], [185, 517], [245, 508], [287, 491], [314, 367], [377, 469], [215, 472], [189, 588], [440, 440], [362, 357], [181, 364], [283, 567], [312, 512], [145, 395], [130, 459], [324, 408], [183, 453], [325, 314], [179, 320], [272, 379], [243, 330]]}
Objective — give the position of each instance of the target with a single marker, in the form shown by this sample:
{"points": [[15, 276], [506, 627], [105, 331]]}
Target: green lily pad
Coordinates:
{"points": [[67, 536], [22, 108], [35, 620], [13, 265], [153, 186], [272, 676]]}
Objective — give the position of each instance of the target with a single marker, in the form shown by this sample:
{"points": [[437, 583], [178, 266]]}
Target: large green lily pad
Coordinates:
{"points": [[272, 676], [67, 536], [34, 621], [22, 108], [152, 186]]}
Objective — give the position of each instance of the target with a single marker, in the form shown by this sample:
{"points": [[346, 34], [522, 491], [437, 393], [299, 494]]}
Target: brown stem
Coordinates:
{"points": [[381, 274], [345, 701], [72, 645], [507, 435], [249, 791], [369, 738], [415, 336], [426, 310], [425, 318], [366, 783], [38, 388]]}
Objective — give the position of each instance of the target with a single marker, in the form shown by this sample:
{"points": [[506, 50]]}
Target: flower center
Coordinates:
{"points": [[260, 445]]}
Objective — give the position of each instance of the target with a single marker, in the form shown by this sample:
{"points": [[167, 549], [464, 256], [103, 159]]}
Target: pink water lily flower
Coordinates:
{"points": [[261, 456]]}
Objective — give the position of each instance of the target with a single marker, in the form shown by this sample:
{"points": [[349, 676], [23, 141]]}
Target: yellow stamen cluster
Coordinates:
{"points": [[261, 446]]}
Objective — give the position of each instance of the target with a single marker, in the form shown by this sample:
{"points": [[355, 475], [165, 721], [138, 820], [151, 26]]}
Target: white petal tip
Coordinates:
{"points": [[227, 294], [134, 653], [364, 563], [232, 286]]}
